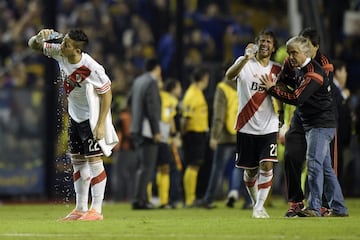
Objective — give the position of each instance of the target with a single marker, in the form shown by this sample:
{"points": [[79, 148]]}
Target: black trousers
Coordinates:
{"points": [[294, 160]]}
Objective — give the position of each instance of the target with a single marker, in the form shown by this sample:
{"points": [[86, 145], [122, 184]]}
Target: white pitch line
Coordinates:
{"points": [[137, 236], [145, 236]]}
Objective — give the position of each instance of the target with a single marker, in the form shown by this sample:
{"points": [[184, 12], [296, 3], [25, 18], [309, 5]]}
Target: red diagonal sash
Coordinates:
{"points": [[249, 109], [254, 103]]}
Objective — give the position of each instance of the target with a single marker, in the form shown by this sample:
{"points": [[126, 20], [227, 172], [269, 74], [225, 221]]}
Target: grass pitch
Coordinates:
{"points": [[39, 221]]}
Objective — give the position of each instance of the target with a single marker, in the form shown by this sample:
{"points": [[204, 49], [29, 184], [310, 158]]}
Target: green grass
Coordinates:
{"points": [[39, 221]]}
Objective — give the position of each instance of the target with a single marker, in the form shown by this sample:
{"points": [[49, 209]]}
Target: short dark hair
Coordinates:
{"points": [[170, 84], [151, 63], [312, 35], [199, 73], [80, 38]]}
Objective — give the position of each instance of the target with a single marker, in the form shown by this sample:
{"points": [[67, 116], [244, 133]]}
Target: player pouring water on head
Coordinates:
{"points": [[91, 132]]}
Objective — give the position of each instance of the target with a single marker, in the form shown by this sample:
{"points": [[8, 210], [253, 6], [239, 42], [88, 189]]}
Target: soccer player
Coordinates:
{"points": [[91, 132], [257, 123], [311, 93]]}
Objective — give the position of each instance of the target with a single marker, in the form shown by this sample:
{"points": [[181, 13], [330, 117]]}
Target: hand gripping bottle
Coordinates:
{"points": [[251, 50], [54, 37]]}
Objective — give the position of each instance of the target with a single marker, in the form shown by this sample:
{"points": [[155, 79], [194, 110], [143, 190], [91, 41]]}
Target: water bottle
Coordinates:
{"points": [[55, 37], [251, 50]]}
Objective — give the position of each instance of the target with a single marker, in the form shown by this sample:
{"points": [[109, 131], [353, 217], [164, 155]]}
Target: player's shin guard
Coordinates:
{"points": [[264, 186], [98, 184], [251, 187], [81, 177]]}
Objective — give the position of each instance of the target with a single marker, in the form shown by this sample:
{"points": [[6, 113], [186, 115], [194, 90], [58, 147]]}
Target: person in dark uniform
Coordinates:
{"points": [[342, 103], [311, 94], [295, 143]]}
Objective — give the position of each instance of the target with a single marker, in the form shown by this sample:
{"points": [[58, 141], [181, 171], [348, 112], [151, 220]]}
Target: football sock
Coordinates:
{"points": [[264, 186], [98, 184], [149, 191], [163, 185], [81, 177], [190, 181], [251, 187]]}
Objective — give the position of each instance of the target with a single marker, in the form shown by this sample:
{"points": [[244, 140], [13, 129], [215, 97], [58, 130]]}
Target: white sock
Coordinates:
{"points": [[264, 186], [81, 177], [251, 187], [98, 184]]}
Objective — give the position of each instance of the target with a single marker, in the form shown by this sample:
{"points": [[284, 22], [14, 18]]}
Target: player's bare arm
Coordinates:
{"points": [[234, 69], [105, 103]]}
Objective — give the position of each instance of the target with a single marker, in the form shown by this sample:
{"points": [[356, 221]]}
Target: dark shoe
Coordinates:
{"points": [[190, 206], [308, 213], [142, 206], [209, 205], [165, 206], [203, 204], [247, 206], [294, 209], [230, 202]]}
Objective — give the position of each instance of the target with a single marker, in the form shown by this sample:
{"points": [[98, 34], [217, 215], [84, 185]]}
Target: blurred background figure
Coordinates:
{"points": [[344, 121], [194, 129]]}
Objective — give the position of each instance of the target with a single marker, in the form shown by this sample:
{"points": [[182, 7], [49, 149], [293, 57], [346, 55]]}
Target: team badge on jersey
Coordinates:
{"points": [[73, 80]]}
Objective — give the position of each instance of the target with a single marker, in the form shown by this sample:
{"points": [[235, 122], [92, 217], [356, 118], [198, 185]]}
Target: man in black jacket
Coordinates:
{"points": [[311, 94], [295, 143]]}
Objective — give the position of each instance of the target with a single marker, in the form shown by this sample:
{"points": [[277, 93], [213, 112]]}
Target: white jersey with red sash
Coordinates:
{"points": [[75, 77], [256, 113]]}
